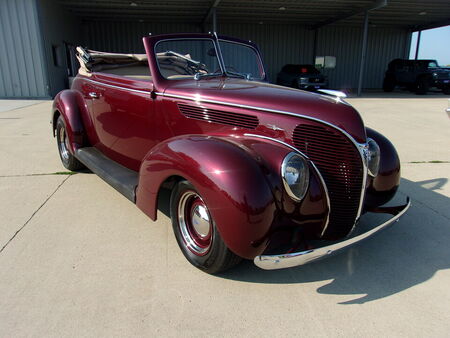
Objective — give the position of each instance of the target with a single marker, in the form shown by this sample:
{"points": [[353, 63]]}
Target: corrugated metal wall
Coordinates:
{"points": [[22, 70], [125, 37], [280, 44], [345, 43]]}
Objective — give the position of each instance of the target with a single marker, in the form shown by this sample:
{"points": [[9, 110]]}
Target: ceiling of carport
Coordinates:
{"points": [[412, 14]]}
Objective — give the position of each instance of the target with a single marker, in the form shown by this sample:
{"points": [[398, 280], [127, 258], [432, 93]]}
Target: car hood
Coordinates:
{"points": [[272, 97]]}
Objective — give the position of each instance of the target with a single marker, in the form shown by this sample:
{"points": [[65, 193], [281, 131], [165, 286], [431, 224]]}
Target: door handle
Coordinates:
{"points": [[93, 95]]}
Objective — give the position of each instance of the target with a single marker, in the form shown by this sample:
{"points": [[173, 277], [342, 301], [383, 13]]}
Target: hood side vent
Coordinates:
{"points": [[219, 116]]}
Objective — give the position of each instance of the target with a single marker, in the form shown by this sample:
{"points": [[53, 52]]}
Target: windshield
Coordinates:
{"points": [[181, 59], [198, 58], [241, 59]]}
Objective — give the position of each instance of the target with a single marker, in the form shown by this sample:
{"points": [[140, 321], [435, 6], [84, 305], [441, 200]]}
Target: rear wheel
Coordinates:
{"points": [[68, 160], [388, 84], [446, 90], [196, 232]]}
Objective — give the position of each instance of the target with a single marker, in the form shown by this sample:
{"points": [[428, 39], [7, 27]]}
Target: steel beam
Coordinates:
{"points": [[214, 19], [211, 11], [316, 33], [363, 52], [375, 5]]}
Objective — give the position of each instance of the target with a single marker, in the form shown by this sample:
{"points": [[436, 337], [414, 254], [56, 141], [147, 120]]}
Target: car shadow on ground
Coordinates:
{"points": [[405, 255]]}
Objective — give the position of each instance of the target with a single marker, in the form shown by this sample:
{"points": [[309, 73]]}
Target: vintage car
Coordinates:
{"points": [[256, 171]]}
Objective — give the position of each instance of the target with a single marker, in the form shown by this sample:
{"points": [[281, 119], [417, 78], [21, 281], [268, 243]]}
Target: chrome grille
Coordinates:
{"points": [[339, 162]]}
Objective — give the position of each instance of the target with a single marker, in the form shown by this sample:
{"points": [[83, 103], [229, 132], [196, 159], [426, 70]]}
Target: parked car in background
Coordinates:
{"points": [[417, 75], [255, 170], [305, 77]]}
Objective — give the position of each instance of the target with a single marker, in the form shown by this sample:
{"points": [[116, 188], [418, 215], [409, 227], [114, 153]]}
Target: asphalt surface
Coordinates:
{"points": [[78, 259]]}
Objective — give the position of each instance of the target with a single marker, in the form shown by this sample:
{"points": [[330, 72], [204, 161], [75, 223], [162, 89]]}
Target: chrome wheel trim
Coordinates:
{"points": [[63, 144], [194, 223]]}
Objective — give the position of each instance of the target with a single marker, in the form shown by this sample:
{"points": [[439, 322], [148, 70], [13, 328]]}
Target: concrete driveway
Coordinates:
{"points": [[78, 259]]}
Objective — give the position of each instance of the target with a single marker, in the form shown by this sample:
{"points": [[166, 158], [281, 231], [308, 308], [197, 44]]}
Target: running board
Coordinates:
{"points": [[120, 178]]}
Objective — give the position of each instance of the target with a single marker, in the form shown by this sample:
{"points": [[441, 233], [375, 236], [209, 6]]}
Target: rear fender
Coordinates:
{"points": [[71, 106]]}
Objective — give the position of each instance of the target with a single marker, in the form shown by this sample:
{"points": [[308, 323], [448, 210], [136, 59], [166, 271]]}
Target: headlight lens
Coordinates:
{"points": [[295, 175], [373, 157]]}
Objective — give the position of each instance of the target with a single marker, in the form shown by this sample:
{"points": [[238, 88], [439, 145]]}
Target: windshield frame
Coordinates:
{"points": [[151, 43]]}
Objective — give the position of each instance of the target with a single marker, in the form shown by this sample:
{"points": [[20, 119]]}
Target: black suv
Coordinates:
{"points": [[301, 76], [416, 75]]}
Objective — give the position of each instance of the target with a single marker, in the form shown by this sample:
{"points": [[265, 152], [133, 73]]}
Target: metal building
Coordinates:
{"points": [[364, 35]]}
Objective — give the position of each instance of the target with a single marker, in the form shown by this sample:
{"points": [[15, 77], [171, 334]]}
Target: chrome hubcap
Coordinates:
{"points": [[200, 220], [63, 146], [195, 223]]}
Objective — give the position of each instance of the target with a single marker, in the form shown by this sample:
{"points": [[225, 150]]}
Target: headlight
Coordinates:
{"points": [[295, 175], [373, 157]]}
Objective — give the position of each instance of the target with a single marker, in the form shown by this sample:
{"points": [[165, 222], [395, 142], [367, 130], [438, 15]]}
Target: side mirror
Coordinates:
{"points": [[325, 62]]}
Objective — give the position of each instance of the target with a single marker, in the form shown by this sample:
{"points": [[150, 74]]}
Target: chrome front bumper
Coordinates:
{"points": [[282, 261]]}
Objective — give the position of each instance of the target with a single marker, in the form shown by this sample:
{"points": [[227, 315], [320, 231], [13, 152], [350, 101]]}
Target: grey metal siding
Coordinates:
{"points": [[22, 68], [279, 44], [384, 44], [125, 37], [59, 27]]}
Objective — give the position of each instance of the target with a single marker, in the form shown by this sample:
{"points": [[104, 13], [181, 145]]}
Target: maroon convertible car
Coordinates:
{"points": [[256, 171]]}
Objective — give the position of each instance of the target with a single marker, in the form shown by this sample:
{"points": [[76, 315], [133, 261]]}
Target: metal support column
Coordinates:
{"points": [[316, 33], [214, 19], [419, 33], [363, 52]]}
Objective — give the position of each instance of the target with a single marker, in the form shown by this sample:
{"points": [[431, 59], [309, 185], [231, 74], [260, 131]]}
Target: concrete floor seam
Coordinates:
{"points": [[33, 214], [42, 174]]}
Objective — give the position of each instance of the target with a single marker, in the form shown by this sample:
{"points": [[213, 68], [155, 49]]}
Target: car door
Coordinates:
{"points": [[123, 119]]}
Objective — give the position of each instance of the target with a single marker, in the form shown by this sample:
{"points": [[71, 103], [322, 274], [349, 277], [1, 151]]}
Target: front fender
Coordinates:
{"points": [[70, 105], [383, 187], [230, 181]]}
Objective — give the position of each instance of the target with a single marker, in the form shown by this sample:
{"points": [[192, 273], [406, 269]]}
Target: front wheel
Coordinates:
{"points": [[422, 87], [196, 232], [68, 160]]}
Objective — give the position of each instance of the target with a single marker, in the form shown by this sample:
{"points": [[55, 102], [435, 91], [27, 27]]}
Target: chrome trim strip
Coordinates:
{"points": [[359, 146], [273, 262], [277, 141], [117, 87], [327, 194], [313, 165]]}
